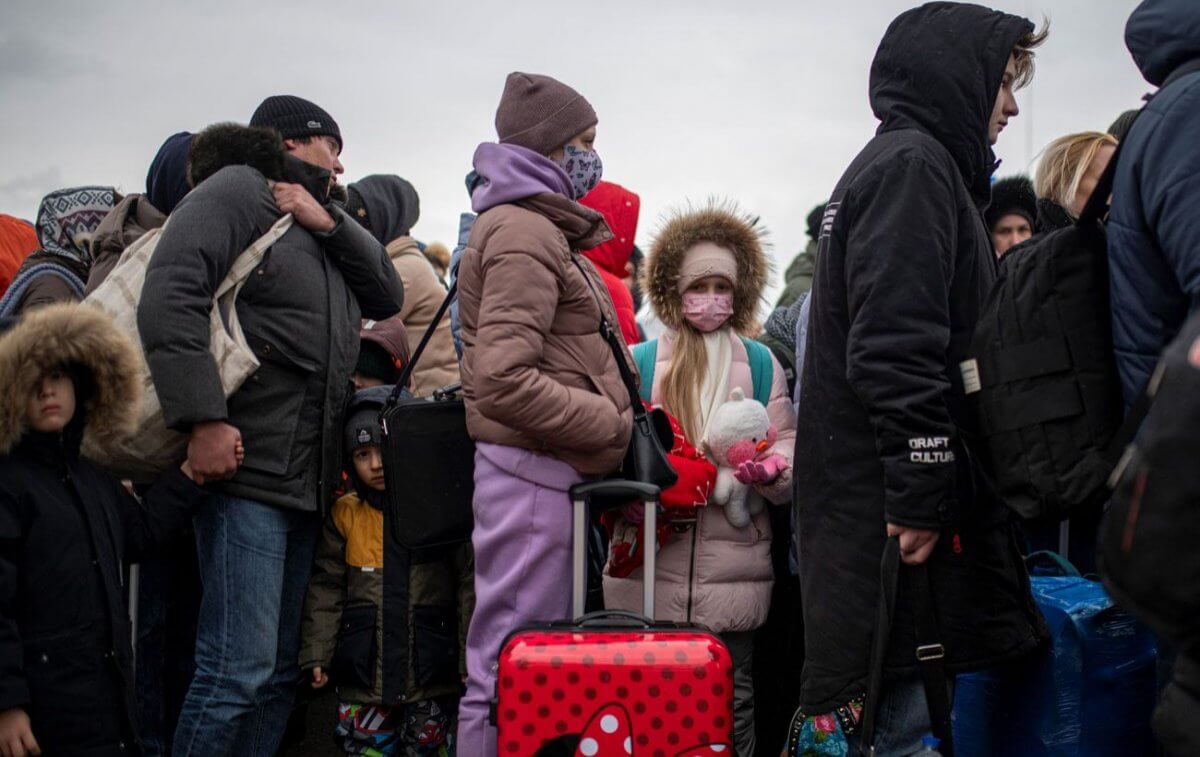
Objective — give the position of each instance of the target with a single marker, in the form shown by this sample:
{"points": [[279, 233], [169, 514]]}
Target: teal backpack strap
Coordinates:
{"points": [[762, 369], [645, 355]]}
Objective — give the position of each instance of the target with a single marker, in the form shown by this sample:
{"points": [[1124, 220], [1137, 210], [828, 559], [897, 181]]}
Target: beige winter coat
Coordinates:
{"points": [[423, 295]]}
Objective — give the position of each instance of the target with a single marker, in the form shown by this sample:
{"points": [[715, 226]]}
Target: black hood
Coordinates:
{"points": [[229, 144], [938, 69], [386, 205]]}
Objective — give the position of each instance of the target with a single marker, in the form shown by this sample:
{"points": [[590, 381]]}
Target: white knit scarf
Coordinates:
{"points": [[714, 390]]}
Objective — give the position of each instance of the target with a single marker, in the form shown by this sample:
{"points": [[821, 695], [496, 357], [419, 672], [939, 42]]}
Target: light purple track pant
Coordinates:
{"points": [[522, 542]]}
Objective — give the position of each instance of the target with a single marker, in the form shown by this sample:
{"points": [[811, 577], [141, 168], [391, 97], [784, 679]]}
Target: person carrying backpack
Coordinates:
{"points": [[1154, 227], [300, 311], [1154, 270], [906, 263], [705, 276]]}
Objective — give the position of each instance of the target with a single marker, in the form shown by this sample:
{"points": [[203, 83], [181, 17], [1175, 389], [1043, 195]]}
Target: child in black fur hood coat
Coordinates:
{"points": [[67, 529]]}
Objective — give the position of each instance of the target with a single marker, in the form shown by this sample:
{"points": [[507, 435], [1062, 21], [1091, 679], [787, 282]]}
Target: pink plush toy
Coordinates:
{"points": [[740, 439]]}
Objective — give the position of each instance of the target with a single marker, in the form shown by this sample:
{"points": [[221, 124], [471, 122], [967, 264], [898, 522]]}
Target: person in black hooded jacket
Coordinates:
{"points": [[883, 442], [67, 531]]}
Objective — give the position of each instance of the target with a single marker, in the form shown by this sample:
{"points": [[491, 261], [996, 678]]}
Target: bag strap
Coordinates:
{"points": [[931, 656], [1097, 204], [762, 370], [1054, 561], [645, 355], [930, 652], [616, 345], [889, 572], [406, 374], [250, 258]]}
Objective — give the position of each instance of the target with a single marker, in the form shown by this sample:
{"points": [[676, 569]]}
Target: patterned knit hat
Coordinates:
{"points": [[541, 113], [294, 117], [68, 218]]}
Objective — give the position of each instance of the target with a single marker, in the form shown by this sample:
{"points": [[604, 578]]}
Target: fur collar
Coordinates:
{"points": [[230, 144], [70, 334], [722, 224], [260, 148]]}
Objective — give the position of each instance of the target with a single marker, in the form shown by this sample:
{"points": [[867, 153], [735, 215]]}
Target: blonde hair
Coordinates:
{"points": [[681, 382], [1064, 164]]}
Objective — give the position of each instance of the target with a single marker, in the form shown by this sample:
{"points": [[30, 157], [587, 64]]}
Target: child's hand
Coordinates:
{"points": [[16, 737], [319, 679]]}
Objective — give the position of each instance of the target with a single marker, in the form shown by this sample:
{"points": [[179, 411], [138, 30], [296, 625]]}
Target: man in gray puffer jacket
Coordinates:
{"points": [[300, 311]]}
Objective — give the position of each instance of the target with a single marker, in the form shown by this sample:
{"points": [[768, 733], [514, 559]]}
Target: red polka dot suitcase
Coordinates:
{"points": [[613, 684]]}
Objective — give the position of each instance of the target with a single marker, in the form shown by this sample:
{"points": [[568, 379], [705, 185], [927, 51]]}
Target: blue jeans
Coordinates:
{"points": [[254, 564], [903, 717]]}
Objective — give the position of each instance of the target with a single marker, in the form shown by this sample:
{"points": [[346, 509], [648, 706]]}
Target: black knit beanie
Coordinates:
{"points": [[294, 117], [1012, 195], [374, 362]]}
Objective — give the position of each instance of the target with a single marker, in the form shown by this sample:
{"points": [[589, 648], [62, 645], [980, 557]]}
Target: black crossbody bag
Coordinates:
{"points": [[646, 458], [428, 459]]}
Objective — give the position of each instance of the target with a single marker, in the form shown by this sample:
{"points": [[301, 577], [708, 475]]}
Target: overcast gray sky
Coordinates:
{"points": [[761, 102]]}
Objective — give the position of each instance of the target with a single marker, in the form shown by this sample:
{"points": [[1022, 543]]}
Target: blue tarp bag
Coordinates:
{"points": [[1090, 694]]}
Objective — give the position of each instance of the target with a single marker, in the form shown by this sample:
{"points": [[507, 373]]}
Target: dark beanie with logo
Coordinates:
{"points": [[541, 113], [362, 417], [295, 118]]}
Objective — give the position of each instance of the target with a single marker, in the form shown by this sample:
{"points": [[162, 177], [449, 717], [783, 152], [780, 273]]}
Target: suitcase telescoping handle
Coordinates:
{"points": [[581, 497]]}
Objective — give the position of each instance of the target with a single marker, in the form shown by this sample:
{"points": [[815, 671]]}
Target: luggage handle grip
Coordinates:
{"points": [[614, 618], [615, 488]]}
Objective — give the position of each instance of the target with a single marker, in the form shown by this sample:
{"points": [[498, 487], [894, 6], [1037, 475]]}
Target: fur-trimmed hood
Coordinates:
{"points": [[722, 224], [261, 148], [70, 334]]}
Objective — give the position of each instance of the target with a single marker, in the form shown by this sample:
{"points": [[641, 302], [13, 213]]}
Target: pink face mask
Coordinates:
{"points": [[707, 312]]}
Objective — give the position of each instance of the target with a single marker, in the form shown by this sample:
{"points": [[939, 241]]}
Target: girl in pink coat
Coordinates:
{"points": [[704, 276]]}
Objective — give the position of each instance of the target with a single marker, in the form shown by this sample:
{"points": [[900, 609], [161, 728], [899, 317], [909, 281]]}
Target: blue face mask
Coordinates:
{"points": [[583, 168]]}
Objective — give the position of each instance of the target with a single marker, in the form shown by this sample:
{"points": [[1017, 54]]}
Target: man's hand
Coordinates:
{"points": [[213, 452], [916, 544], [295, 199], [319, 678], [16, 736], [239, 452]]}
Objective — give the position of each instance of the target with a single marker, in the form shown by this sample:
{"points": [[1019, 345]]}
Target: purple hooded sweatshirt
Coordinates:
{"points": [[511, 172]]}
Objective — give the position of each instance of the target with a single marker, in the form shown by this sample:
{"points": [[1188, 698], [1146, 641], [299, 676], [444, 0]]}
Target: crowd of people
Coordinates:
{"points": [[267, 557]]}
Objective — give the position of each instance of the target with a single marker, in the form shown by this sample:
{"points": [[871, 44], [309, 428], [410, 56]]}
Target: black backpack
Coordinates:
{"points": [[1148, 541], [1042, 378]]}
